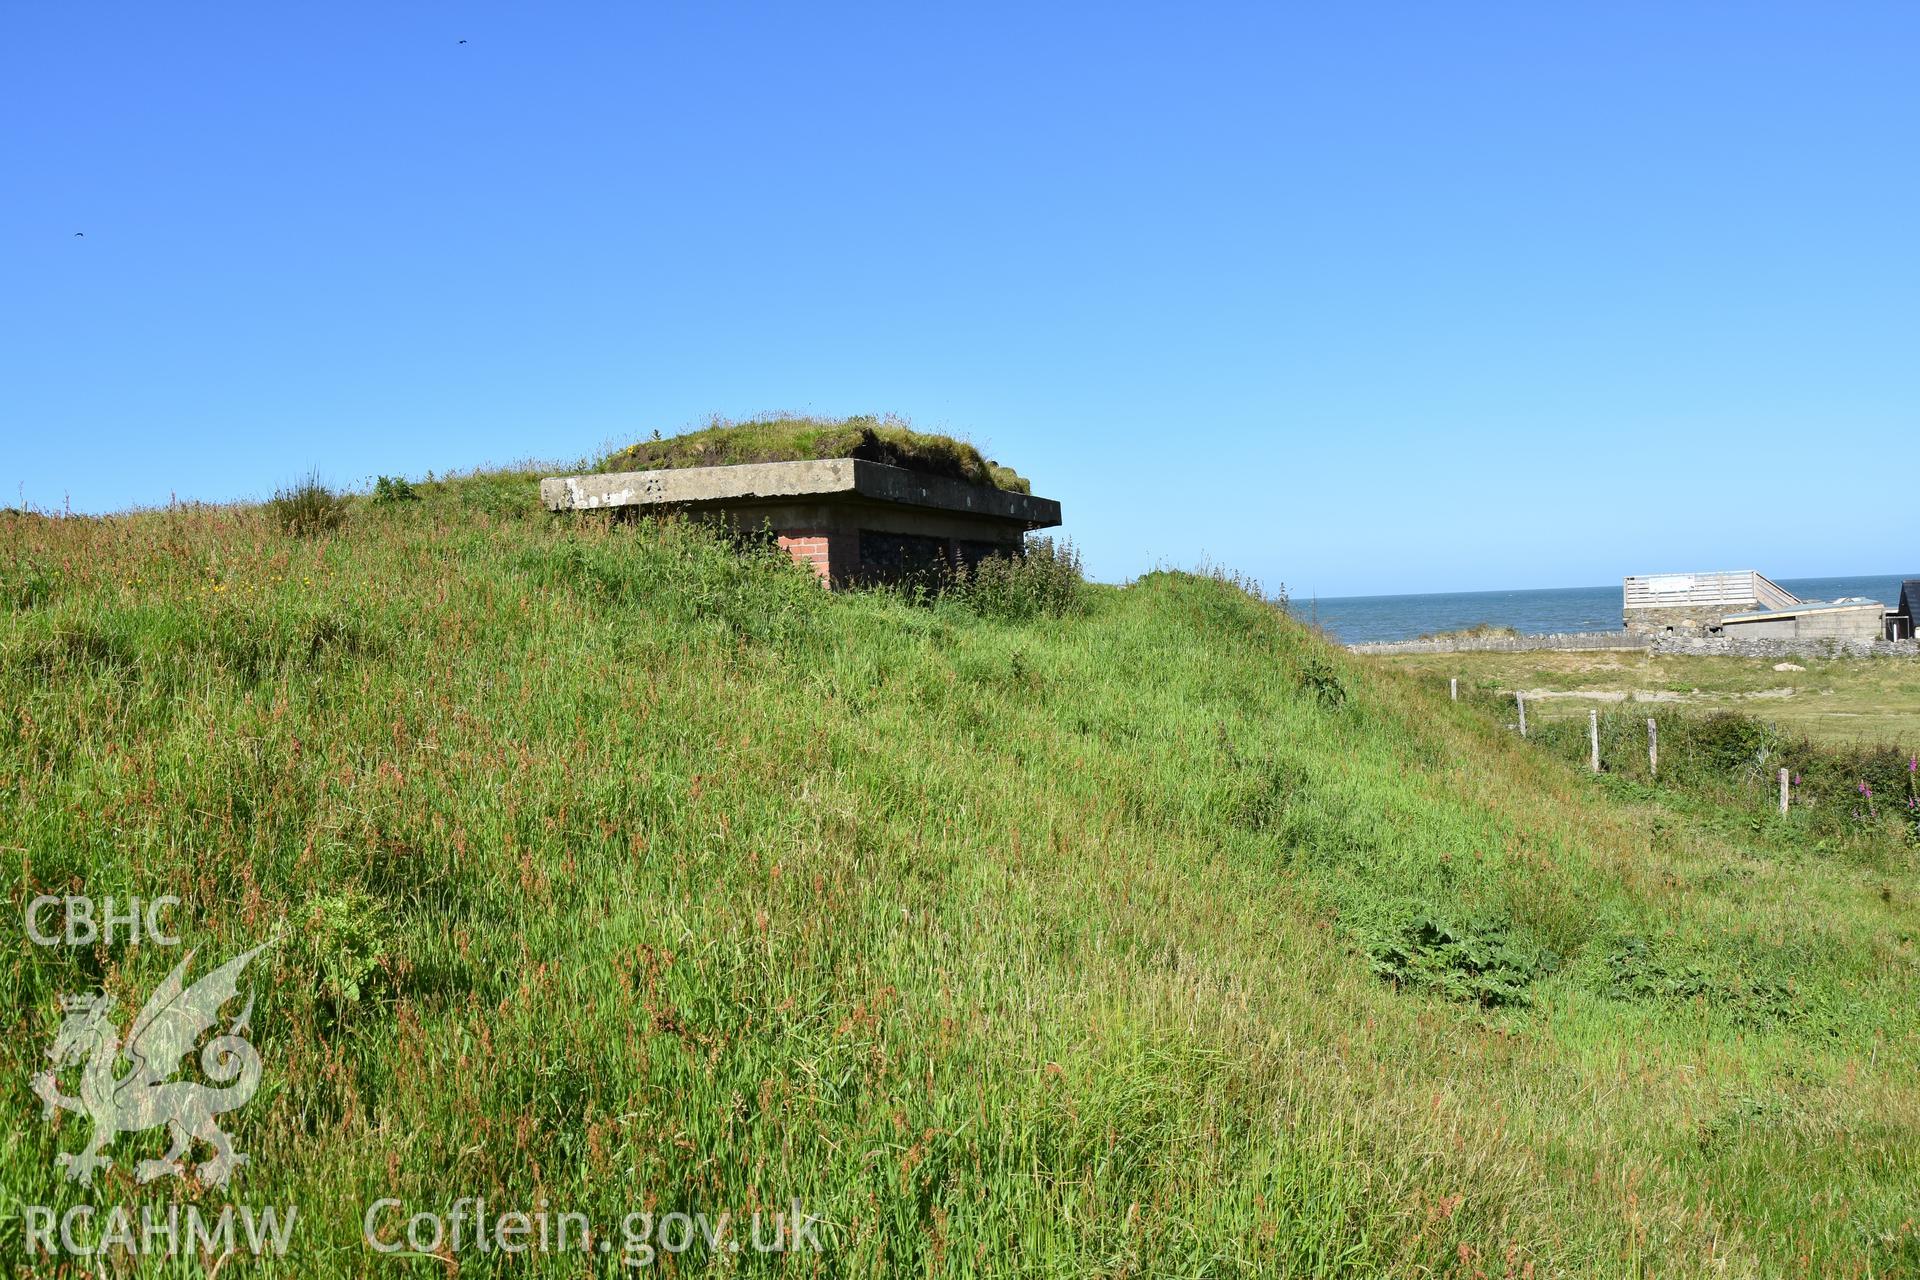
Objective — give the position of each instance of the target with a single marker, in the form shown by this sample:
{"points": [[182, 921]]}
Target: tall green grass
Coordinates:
{"points": [[619, 869], [307, 507]]}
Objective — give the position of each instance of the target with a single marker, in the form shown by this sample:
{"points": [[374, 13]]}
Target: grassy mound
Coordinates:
{"points": [[883, 440], [617, 871]]}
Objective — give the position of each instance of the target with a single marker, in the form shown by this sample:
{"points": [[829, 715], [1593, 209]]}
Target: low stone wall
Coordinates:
{"points": [[1785, 647], [1697, 646], [1508, 644]]}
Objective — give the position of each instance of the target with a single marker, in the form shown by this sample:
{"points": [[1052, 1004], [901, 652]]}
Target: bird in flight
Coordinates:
{"points": [[81, 234], [463, 42]]}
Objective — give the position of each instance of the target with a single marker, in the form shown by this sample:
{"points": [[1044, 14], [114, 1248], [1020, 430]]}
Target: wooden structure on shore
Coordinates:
{"points": [[1902, 621], [1695, 603]]}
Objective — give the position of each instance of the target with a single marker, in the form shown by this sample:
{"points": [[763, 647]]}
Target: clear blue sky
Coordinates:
{"points": [[1354, 298]]}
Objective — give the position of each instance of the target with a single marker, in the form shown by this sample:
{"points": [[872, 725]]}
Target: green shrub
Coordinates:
{"points": [[1046, 581], [1844, 795], [307, 507], [345, 935], [1476, 961], [1737, 745], [1638, 974], [391, 489], [1319, 678]]}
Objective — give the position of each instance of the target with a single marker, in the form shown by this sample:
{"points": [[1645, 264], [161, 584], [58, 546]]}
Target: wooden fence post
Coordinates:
{"points": [[1593, 736], [1653, 747], [1520, 700], [1785, 794], [1453, 687]]}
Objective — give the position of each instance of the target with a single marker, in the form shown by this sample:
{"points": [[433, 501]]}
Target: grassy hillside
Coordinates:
{"points": [[616, 871]]}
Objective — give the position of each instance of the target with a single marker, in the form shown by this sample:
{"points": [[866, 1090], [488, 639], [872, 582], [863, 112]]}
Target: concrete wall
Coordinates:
{"points": [[1863, 623], [1768, 629], [1678, 619], [1847, 624]]}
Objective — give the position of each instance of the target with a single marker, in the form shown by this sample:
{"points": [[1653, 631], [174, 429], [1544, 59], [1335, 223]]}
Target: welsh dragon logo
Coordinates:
{"points": [[143, 1096]]}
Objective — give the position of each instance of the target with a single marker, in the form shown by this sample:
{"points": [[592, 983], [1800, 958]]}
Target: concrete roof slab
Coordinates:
{"points": [[849, 479]]}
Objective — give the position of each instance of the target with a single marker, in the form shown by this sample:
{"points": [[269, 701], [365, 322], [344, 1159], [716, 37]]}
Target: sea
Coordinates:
{"points": [[1352, 619]]}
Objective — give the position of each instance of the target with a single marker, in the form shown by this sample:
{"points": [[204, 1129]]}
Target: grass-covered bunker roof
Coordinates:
{"points": [[785, 439]]}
